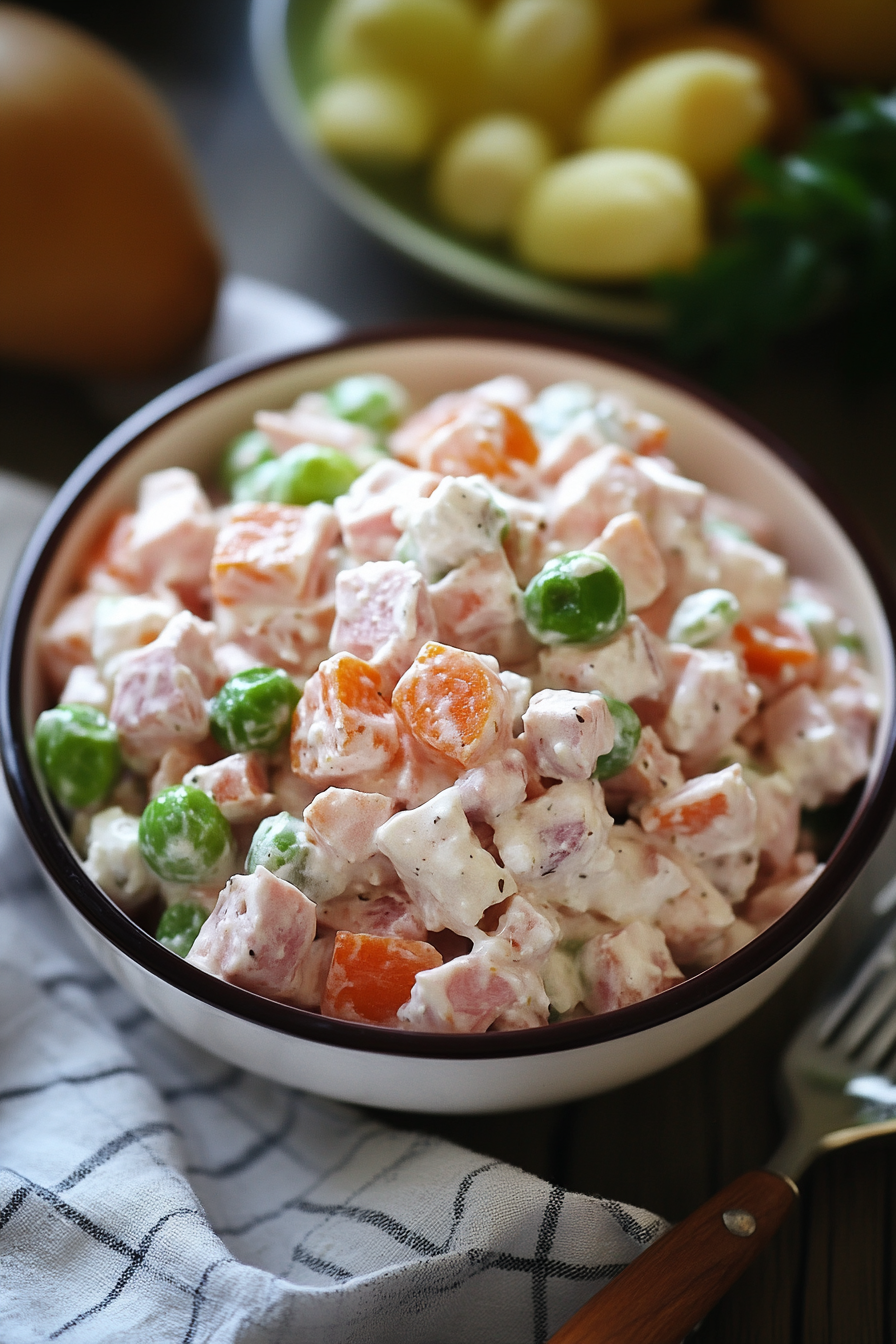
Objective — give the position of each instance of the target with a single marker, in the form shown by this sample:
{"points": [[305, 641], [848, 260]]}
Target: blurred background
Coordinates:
{"points": [[275, 224]]}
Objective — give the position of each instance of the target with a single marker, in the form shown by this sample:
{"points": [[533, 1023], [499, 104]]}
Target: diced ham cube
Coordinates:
{"points": [[731, 940], [554, 844], [258, 936], [764, 907], [654, 771], [732, 874], [231, 658], [757, 577], [677, 503], [388, 914], [346, 821], [626, 667], [631, 550], [311, 977], [129, 621], [525, 539], [454, 704], [293, 794], [365, 511], [371, 977], [85, 686], [175, 763], [470, 993], [606, 483], [66, 643], [479, 606], [531, 934], [157, 703], [446, 871], [292, 637], [581, 437], [193, 642], [692, 920], [626, 967], [803, 739], [777, 819], [459, 520], [709, 815], [343, 724], [506, 390], [172, 534], [712, 701], [383, 614], [566, 731], [274, 555], [644, 876], [482, 439], [407, 439], [239, 786], [490, 790]]}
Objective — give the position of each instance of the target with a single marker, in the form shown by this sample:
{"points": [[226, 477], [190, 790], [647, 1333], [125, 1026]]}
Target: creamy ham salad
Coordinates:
{"points": [[467, 718]]}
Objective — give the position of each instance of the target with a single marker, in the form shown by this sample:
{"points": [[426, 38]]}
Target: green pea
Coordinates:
{"points": [[253, 710], [370, 399], [243, 453], [256, 483], [281, 846], [627, 726], [703, 617], [311, 472], [578, 598], [180, 925], [183, 835], [78, 753]]}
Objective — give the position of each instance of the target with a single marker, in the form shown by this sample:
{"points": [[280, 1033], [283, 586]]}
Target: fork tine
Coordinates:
{"points": [[881, 1043], [884, 958], [868, 1016]]}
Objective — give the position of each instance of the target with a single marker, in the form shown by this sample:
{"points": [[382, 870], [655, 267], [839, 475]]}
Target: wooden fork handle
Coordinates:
{"points": [[662, 1295]]}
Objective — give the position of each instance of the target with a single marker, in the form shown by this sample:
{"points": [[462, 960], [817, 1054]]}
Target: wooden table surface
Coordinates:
{"points": [[668, 1142]]}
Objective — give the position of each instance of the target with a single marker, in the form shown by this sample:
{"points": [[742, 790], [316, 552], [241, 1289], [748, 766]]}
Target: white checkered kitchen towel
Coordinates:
{"points": [[149, 1191]]}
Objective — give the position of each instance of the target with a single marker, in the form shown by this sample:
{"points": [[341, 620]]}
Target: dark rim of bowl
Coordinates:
{"points": [[53, 850]]}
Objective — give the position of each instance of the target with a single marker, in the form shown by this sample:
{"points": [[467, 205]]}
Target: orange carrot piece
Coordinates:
{"points": [[370, 977], [519, 441], [453, 703], [771, 646], [693, 818]]}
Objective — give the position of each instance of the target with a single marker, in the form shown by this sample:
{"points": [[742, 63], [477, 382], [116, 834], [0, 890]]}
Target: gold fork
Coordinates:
{"points": [[839, 1080]]}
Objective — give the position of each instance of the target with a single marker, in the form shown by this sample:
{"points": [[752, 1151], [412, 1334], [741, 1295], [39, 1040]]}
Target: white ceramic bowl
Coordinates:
{"points": [[382, 1067]]}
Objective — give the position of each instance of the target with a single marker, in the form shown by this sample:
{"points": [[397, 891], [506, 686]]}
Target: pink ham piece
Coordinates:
{"points": [[712, 701], [470, 993], [566, 731], [384, 914], [157, 703], [598, 488], [345, 822], [383, 614], [365, 511], [238, 784], [625, 967], [710, 815], [274, 555], [633, 553], [172, 534], [259, 936], [479, 606]]}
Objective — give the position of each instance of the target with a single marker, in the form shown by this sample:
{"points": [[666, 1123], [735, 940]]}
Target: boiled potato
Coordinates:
{"points": [[612, 214], [485, 169], [544, 56], [107, 260], [703, 107], [647, 16], [433, 42], [845, 39], [377, 119], [781, 79]]}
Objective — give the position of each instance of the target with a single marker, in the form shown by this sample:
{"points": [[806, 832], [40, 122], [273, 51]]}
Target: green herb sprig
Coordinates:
{"points": [[815, 236]]}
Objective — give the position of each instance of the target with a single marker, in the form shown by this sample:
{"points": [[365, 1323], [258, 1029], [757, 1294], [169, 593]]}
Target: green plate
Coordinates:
{"points": [[284, 37]]}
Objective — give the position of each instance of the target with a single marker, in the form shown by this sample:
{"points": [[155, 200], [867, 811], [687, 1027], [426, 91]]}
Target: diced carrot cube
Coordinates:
{"points": [[343, 724], [371, 977], [453, 703], [519, 441], [691, 818], [773, 648], [273, 554]]}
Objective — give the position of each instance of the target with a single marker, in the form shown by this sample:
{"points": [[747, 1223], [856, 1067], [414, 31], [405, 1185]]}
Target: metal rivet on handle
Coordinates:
{"points": [[739, 1222]]}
